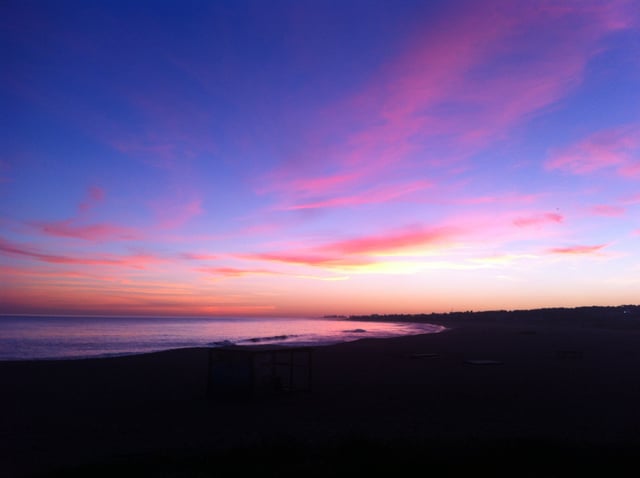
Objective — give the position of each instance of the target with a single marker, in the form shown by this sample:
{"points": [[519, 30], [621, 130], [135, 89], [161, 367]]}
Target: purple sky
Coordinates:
{"points": [[318, 157]]}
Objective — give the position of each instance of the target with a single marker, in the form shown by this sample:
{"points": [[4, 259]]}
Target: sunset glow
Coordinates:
{"points": [[295, 158]]}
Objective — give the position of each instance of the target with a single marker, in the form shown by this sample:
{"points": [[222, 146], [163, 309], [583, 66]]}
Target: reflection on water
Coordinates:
{"points": [[75, 337]]}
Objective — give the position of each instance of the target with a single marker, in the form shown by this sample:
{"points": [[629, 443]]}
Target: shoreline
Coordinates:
{"points": [[550, 388], [26, 340]]}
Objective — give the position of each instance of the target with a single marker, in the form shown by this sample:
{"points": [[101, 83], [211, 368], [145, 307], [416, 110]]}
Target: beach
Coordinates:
{"points": [[551, 397]]}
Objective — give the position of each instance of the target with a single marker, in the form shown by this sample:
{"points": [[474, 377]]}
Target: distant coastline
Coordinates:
{"points": [[626, 312]]}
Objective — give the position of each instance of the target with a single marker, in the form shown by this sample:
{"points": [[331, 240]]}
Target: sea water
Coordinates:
{"points": [[29, 337]]}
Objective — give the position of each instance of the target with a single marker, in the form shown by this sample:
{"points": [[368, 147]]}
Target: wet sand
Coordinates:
{"points": [[556, 398]]}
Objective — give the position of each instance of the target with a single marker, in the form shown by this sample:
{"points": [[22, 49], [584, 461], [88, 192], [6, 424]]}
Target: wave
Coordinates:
{"points": [[222, 343], [255, 340], [273, 338]]}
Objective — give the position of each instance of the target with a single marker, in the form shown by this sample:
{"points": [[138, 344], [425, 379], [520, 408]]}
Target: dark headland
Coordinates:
{"points": [[552, 392]]}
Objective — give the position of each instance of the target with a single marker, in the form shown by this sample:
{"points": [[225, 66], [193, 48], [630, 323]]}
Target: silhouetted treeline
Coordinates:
{"points": [[559, 313]]}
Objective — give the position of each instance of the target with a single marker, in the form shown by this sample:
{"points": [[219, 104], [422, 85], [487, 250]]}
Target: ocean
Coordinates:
{"points": [[38, 338]]}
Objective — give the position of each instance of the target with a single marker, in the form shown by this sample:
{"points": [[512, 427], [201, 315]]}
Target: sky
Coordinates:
{"points": [[303, 158]]}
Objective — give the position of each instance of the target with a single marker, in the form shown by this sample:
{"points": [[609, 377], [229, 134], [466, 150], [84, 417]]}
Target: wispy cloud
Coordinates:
{"points": [[539, 219], [631, 200], [198, 256], [607, 210], [395, 241], [456, 87], [172, 212], [136, 261], [81, 226], [464, 232], [42, 273], [134, 300], [514, 198], [632, 168], [363, 250], [577, 250], [503, 259], [369, 196], [95, 195], [89, 232], [307, 258], [615, 149], [235, 272]]}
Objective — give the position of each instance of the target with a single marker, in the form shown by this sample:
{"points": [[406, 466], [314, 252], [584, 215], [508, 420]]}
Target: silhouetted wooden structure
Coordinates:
{"points": [[244, 372]]}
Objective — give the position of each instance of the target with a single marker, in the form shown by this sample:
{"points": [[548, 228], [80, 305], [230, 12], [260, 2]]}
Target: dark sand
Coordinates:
{"points": [[564, 400]]}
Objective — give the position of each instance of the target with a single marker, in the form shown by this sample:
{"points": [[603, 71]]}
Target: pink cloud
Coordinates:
{"points": [[539, 219], [322, 184], [259, 229], [88, 232], [393, 241], [372, 196], [577, 249], [30, 272], [235, 272], [78, 226], [616, 149], [174, 213], [136, 261], [95, 195], [463, 229], [308, 259], [39, 273], [138, 299], [606, 210], [631, 200], [196, 256], [360, 250], [456, 87], [632, 169], [504, 199]]}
